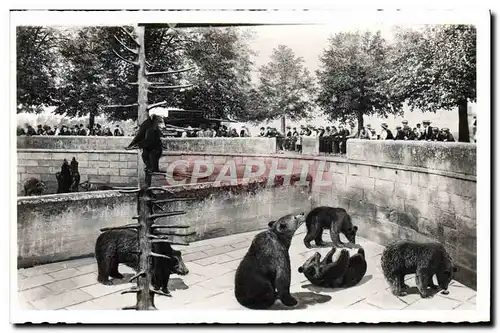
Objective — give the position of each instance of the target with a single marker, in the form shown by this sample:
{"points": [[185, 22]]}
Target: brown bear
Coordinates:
{"points": [[264, 273], [424, 259], [346, 271], [121, 246], [334, 219]]}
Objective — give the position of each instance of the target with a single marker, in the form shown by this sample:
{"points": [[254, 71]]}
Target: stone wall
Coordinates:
{"points": [[60, 227], [405, 195], [114, 167], [253, 145]]}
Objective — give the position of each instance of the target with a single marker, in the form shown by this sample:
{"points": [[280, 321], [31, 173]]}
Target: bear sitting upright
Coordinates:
{"points": [[334, 219], [424, 259], [121, 246], [346, 271], [264, 274]]}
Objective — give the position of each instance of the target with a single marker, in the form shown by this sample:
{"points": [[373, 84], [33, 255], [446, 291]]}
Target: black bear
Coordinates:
{"points": [[148, 138], [33, 186], [264, 273], [75, 175], [424, 259], [121, 246], [64, 178], [334, 219], [346, 271]]}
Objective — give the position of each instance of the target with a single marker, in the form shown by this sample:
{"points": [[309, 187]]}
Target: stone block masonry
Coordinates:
{"points": [[117, 168]]}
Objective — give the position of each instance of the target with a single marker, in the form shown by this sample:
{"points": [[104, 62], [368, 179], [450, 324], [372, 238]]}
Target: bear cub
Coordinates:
{"points": [[334, 219], [121, 246], [264, 273], [424, 259], [346, 271]]}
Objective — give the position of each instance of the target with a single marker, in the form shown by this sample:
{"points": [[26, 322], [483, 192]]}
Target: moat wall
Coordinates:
{"points": [[393, 190]]}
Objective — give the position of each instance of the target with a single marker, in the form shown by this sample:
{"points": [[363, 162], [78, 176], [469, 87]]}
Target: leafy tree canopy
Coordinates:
{"points": [[285, 88], [353, 78]]}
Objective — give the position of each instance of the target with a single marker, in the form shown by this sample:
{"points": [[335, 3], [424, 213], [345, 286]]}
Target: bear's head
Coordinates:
{"points": [[41, 187], [445, 273], [287, 225], [177, 264], [350, 234], [311, 266]]}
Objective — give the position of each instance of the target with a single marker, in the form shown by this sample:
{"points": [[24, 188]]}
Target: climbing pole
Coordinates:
{"points": [[150, 208]]}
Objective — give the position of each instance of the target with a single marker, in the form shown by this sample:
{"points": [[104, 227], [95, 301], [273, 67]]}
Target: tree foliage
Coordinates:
{"points": [[435, 68], [354, 78], [285, 88], [222, 80], [37, 67]]}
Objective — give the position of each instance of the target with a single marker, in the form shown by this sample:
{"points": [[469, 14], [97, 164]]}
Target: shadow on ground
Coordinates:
{"points": [[317, 289], [414, 291], [125, 279], [176, 284], [305, 300]]}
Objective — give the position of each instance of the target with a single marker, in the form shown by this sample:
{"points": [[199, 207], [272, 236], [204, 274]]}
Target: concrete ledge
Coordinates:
{"points": [[445, 156], [101, 143], [66, 226]]}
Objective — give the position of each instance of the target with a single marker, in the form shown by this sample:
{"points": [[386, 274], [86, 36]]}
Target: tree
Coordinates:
{"points": [[95, 76], [285, 88], [353, 78], [36, 56], [222, 57], [436, 69]]}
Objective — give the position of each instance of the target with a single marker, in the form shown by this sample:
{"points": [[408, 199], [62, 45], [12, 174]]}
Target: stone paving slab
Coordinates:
{"points": [[73, 285]]}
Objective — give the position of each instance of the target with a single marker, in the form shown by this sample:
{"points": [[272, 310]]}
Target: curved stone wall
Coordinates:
{"points": [[393, 190]]}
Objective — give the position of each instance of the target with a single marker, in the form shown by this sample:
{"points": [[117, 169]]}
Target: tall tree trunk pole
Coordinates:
{"points": [[283, 129], [463, 122], [142, 93], [144, 297]]}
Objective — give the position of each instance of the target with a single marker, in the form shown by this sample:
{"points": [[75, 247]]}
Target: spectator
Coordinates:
{"points": [[40, 130], [262, 132], [447, 136], [118, 131], [288, 132], [435, 135], [399, 133], [30, 131], [82, 131], [386, 133], [233, 133], [373, 134], [416, 133], [20, 131], [107, 132], [407, 131], [426, 131]]}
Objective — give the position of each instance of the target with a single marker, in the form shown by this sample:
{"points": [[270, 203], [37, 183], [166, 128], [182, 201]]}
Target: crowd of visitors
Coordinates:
{"points": [[80, 130]]}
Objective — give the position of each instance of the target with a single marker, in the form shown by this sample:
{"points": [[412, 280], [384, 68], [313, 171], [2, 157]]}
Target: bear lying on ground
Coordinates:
{"points": [[346, 271], [120, 246], [264, 273], [334, 219], [424, 259]]}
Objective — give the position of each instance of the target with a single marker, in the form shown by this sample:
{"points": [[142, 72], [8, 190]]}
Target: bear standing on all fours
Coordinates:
{"points": [[334, 219], [346, 271], [121, 246], [264, 273], [424, 259]]}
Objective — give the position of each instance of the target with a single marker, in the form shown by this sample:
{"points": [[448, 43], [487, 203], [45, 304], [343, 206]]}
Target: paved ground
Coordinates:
{"points": [[212, 264]]}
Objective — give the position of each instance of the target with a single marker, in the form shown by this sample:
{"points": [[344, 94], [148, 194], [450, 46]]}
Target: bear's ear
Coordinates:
{"points": [[301, 269], [355, 228], [270, 224]]}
